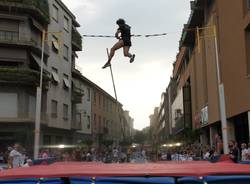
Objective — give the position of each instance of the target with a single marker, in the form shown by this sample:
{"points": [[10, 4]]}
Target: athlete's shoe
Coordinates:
{"points": [[132, 58], [106, 65]]}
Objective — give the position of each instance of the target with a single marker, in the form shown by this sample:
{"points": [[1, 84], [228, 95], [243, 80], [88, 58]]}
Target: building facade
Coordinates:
{"points": [[105, 117], [194, 95], [21, 25]]}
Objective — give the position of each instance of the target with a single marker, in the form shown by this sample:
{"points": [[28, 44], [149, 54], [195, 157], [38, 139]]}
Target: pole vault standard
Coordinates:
{"points": [[113, 82]]}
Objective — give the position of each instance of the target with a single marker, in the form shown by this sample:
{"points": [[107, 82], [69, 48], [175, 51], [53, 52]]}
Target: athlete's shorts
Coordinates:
{"points": [[127, 42]]}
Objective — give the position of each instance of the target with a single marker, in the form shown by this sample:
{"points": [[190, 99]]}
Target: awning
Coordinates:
{"points": [[37, 25], [66, 82], [55, 77], [55, 43], [37, 59]]}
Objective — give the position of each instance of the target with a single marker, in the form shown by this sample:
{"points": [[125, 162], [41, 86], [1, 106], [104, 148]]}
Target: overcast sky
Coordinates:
{"points": [[139, 85]]}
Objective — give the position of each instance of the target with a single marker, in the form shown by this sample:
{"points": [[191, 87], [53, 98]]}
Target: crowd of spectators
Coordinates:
{"points": [[16, 156]]}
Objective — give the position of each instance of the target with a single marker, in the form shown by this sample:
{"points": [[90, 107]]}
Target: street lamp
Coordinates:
{"points": [[39, 99], [38, 103], [221, 93], [221, 97]]}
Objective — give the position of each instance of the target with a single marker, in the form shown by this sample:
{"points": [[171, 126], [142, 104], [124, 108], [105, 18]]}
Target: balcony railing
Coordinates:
{"points": [[75, 125], [179, 126], [38, 8], [9, 36], [77, 94], [22, 76], [76, 40]]}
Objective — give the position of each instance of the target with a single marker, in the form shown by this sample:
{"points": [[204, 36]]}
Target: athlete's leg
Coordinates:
{"points": [[117, 46], [127, 54], [126, 51]]}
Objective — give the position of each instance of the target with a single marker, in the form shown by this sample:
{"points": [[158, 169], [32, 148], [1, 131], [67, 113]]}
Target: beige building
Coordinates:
{"points": [[196, 66]]}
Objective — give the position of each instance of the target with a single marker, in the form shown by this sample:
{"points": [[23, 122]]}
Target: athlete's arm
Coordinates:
{"points": [[117, 34]]}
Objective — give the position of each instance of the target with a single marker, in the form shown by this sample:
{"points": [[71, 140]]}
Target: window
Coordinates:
{"points": [[59, 140], [94, 98], [8, 35], [78, 118], [54, 109], [247, 37], [88, 94], [55, 76], [66, 23], [100, 98], [100, 122], [9, 30], [95, 120], [248, 4], [103, 104], [65, 111], [55, 13], [55, 44], [88, 125], [66, 81], [46, 140], [66, 52]]}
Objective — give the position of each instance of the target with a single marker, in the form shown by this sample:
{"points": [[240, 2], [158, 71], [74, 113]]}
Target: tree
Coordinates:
{"points": [[139, 137]]}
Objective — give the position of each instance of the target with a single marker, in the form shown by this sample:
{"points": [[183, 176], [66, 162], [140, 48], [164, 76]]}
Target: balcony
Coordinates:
{"points": [[76, 40], [76, 125], [77, 94], [12, 38], [179, 126], [25, 77], [37, 8]]}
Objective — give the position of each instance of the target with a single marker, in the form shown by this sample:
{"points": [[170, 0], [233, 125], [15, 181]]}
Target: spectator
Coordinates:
{"points": [[115, 155], [244, 152], [29, 163], [15, 156], [233, 151], [218, 144]]}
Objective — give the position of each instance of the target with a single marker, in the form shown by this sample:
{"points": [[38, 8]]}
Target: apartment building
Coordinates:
{"points": [[193, 90], [198, 70], [63, 45], [128, 126], [81, 106], [107, 117], [21, 25]]}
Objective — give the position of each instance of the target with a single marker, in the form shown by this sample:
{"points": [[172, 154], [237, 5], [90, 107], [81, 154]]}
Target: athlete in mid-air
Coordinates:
{"points": [[124, 36]]}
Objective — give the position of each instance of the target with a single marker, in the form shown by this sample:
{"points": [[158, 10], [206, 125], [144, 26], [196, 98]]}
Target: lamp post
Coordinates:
{"points": [[38, 103], [221, 97]]}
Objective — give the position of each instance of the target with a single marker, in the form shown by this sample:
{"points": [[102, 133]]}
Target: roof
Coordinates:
{"points": [[173, 169], [78, 74]]}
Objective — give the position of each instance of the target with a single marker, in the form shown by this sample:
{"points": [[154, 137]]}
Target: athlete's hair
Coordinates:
{"points": [[120, 22]]}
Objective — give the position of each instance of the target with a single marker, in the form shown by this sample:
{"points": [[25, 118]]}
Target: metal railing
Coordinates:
{"points": [[39, 5]]}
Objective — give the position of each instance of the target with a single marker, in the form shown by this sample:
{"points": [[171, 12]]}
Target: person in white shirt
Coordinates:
{"points": [[244, 152], [115, 154], [15, 157]]}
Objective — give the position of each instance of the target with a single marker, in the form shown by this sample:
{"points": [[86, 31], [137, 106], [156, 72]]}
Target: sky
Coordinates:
{"points": [[139, 85]]}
